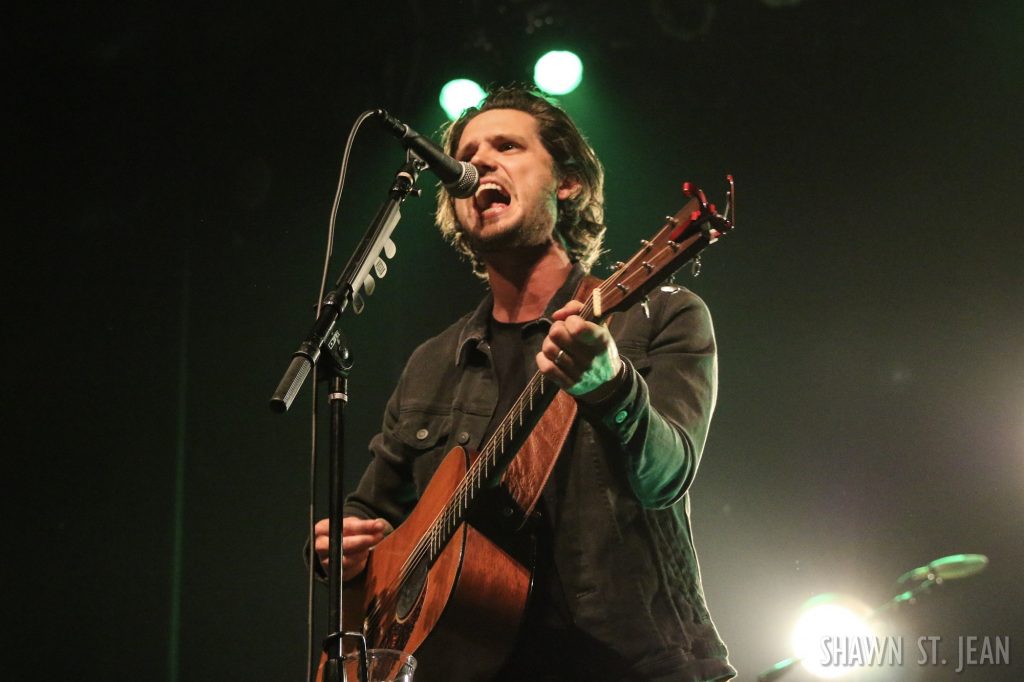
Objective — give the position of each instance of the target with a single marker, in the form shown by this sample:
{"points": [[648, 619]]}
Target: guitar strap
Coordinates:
{"points": [[529, 470]]}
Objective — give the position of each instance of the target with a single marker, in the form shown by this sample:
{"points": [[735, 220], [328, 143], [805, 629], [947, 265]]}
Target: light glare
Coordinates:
{"points": [[828, 615], [558, 72], [458, 95]]}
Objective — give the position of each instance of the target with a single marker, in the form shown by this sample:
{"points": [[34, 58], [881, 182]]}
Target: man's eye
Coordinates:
{"points": [[506, 146]]}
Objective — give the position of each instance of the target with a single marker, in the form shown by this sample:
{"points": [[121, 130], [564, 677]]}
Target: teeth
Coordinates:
{"points": [[489, 185]]}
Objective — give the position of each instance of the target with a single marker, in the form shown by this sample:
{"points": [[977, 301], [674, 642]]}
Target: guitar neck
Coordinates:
{"points": [[681, 238], [492, 459]]}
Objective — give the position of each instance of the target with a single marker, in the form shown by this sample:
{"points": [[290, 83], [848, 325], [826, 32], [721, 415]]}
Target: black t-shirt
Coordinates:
{"points": [[547, 622], [509, 350]]}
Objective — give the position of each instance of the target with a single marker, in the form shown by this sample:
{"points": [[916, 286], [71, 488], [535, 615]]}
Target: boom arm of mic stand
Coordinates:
{"points": [[347, 286]]}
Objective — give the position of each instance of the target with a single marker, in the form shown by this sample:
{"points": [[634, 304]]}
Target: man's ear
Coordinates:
{"points": [[569, 187]]}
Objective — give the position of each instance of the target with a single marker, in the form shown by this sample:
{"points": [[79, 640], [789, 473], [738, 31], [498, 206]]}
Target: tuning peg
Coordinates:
{"points": [[381, 268], [390, 249], [357, 304], [369, 285], [730, 203], [617, 265], [691, 190]]}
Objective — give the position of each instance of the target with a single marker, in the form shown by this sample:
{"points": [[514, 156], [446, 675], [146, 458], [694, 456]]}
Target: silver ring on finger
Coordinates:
{"points": [[558, 358]]}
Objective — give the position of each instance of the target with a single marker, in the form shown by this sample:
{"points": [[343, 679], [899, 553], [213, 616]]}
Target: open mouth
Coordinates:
{"points": [[491, 198]]}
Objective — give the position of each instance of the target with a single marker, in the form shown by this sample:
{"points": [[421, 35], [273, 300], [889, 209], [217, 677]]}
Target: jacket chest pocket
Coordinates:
{"points": [[425, 436]]}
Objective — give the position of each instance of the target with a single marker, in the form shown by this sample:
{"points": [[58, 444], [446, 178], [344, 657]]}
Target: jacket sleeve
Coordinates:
{"points": [[658, 416], [387, 489]]}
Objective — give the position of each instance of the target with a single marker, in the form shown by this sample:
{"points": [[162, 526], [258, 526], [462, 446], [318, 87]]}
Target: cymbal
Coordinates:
{"points": [[950, 567]]}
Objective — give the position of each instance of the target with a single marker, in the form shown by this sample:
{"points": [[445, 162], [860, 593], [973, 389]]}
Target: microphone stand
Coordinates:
{"points": [[346, 291], [336, 364]]}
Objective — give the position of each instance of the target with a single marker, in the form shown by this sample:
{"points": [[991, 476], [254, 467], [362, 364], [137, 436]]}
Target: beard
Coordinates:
{"points": [[511, 239], [534, 229]]}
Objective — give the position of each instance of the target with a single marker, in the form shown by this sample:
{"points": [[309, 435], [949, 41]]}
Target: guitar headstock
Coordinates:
{"points": [[682, 237]]}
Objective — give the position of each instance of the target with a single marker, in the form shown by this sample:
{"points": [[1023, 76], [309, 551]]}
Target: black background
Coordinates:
{"points": [[169, 181]]}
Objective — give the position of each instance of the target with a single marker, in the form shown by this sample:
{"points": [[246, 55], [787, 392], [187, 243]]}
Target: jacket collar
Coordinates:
{"points": [[475, 329]]}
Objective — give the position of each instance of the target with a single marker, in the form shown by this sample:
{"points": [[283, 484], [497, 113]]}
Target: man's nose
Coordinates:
{"points": [[483, 159]]}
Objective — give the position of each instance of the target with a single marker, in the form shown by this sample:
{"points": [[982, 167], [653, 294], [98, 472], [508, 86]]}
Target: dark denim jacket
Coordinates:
{"points": [[622, 543]]}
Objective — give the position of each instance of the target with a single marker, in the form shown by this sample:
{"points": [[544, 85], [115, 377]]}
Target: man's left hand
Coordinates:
{"points": [[579, 356]]}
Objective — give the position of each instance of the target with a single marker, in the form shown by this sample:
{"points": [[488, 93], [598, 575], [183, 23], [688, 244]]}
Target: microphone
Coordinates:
{"points": [[460, 178]]}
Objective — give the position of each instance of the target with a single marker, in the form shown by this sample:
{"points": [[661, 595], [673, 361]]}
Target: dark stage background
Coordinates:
{"points": [[170, 178]]}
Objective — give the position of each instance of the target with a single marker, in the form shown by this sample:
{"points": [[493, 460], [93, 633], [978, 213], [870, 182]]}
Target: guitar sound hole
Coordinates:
{"points": [[409, 592]]}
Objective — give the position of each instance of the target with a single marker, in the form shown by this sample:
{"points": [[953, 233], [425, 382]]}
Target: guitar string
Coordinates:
{"points": [[433, 541], [464, 492], [462, 496], [445, 522], [449, 517], [489, 453]]}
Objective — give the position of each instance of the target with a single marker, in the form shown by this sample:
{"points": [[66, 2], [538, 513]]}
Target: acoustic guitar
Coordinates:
{"points": [[440, 587]]}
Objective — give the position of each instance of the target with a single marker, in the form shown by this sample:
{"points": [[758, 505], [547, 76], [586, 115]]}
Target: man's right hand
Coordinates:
{"points": [[358, 537]]}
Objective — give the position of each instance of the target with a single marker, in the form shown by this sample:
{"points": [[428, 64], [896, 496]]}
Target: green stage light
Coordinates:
{"points": [[558, 72], [458, 95]]}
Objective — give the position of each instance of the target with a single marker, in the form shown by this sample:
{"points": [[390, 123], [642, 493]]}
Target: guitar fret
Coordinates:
{"points": [[683, 237]]}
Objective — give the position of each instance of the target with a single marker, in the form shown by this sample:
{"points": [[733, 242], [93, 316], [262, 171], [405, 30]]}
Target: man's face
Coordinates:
{"points": [[517, 202]]}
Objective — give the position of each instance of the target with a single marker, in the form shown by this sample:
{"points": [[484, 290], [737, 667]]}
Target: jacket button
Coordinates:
{"points": [[620, 416], [422, 434], [463, 437]]}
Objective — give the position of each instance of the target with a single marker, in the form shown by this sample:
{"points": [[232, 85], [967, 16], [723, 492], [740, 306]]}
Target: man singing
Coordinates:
{"points": [[617, 592]]}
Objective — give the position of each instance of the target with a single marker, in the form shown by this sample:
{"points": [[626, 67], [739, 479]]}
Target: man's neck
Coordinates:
{"points": [[523, 282]]}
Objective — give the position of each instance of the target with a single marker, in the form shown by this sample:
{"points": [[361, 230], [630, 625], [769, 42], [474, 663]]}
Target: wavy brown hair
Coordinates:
{"points": [[580, 222]]}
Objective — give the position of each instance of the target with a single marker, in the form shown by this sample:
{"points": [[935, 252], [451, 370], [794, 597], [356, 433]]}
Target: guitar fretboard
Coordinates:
{"points": [[494, 457], [681, 238]]}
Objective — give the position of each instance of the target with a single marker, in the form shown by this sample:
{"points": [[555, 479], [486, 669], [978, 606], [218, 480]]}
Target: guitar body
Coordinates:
{"points": [[451, 592], [460, 618]]}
